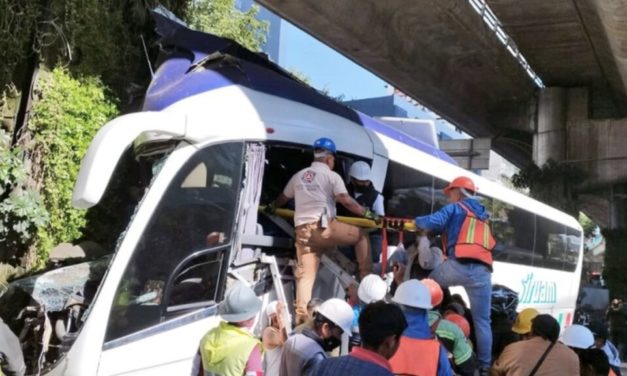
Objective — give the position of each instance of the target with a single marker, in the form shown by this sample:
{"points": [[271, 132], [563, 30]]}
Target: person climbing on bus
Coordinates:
{"points": [[468, 243], [315, 190], [363, 191]]}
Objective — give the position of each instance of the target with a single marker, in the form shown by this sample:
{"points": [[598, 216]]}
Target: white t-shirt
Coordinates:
{"points": [[314, 189]]}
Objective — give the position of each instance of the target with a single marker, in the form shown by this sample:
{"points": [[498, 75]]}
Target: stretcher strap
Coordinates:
{"points": [[384, 251]]}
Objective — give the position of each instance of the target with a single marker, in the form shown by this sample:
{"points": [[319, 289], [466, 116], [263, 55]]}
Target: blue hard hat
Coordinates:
{"points": [[325, 144]]}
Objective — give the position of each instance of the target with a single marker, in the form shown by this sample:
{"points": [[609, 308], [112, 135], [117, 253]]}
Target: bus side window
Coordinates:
{"points": [[408, 192], [552, 244], [513, 229], [182, 255]]}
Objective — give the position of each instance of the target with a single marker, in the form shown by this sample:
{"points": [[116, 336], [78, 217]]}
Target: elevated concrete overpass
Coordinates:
{"points": [[444, 54]]}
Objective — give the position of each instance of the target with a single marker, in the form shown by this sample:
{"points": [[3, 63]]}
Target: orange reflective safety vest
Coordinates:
{"points": [[416, 357], [475, 240]]}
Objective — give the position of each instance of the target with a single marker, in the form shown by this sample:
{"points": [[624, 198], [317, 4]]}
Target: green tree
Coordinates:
{"points": [[99, 45], [587, 224], [552, 184], [65, 119], [21, 208], [220, 17]]}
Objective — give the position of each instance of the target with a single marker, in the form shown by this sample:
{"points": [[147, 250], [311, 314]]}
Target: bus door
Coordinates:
{"points": [[167, 297]]}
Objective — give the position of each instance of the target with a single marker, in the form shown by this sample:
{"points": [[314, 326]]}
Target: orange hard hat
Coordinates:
{"points": [[437, 295], [460, 321], [461, 182]]}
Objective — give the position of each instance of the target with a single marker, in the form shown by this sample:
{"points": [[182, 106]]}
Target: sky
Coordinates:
{"points": [[326, 68]]}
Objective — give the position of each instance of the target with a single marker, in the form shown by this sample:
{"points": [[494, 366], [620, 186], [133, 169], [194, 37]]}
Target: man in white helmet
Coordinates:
{"points": [[363, 191], [230, 349], [371, 289], [303, 351], [420, 352]]}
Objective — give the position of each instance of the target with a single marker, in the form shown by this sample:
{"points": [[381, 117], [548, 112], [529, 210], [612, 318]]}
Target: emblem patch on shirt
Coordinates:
{"points": [[308, 176]]}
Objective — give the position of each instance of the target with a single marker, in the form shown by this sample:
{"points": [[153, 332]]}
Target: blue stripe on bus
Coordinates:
{"points": [[183, 74]]}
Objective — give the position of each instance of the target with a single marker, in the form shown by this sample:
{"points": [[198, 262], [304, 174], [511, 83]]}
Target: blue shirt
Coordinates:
{"points": [[450, 219]]}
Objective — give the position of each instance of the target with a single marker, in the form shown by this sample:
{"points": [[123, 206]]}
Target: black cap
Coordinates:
{"points": [[546, 326]]}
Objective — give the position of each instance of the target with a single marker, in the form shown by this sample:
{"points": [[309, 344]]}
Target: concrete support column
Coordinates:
{"points": [[549, 141], [617, 216]]}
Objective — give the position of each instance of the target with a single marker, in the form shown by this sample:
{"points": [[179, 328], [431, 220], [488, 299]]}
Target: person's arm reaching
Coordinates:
{"points": [[350, 204], [436, 221], [283, 198]]}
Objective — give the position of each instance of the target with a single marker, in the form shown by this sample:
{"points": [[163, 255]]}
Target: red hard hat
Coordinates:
{"points": [[461, 182], [460, 321], [437, 295]]}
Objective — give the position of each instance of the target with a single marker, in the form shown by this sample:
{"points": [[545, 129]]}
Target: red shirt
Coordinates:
{"points": [[370, 356]]}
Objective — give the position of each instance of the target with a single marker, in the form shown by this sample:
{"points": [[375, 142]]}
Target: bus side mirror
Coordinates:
{"points": [[108, 146]]}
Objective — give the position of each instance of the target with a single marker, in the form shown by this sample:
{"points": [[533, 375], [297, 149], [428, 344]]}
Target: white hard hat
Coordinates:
{"points": [[240, 303], [360, 170], [371, 289], [412, 293], [577, 336], [338, 312]]}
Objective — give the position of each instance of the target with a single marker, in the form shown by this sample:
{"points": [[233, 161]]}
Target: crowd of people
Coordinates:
{"points": [[411, 326], [418, 330]]}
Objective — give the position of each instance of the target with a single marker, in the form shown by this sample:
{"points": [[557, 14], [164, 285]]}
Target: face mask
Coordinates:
{"points": [[331, 343]]}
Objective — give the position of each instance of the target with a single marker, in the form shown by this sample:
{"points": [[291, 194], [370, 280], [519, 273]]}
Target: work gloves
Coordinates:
{"points": [[270, 208], [369, 214]]}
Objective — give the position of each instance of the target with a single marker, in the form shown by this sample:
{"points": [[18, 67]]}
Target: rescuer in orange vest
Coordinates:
{"points": [[468, 243], [419, 353]]}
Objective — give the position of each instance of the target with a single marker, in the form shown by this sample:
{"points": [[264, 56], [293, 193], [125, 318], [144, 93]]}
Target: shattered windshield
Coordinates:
{"points": [[47, 309]]}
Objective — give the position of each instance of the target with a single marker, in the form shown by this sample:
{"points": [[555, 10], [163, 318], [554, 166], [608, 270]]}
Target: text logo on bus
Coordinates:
{"points": [[538, 291]]}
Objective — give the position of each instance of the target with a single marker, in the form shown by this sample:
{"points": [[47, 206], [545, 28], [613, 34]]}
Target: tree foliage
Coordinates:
{"points": [[66, 117], [552, 184], [21, 208], [587, 224], [220, 17], [97, 47]]}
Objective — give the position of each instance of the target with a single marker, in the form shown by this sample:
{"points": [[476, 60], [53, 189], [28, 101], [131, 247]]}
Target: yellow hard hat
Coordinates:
{"points": [[522, 325]]}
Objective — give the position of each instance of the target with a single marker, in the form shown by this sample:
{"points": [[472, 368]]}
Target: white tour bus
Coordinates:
{"points": [[220, 133]]}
